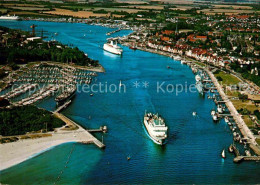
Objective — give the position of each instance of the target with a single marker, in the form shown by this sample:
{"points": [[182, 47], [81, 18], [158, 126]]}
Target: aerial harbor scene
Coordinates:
{"points": [[129, 92]]}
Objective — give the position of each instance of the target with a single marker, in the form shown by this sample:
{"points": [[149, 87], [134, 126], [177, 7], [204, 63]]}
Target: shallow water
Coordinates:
{"points": [[192, 154]]}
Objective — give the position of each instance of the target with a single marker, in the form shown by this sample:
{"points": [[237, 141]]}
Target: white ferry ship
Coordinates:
{"points": [[156, 128], [113, 48], [9, 17]]}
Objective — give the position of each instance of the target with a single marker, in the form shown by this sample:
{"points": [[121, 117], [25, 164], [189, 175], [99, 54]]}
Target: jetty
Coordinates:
{"points": [[101, 129], [81, 129], [240, 158], [112, 32], [63, 106]]}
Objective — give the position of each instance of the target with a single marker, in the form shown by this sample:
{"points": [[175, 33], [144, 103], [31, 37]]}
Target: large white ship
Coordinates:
{"points": [[9, 17], [113, 48], [156, 128]]}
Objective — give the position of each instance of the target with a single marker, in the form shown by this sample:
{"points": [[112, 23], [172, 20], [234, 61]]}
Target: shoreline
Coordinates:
{"points": [[30, 148]]}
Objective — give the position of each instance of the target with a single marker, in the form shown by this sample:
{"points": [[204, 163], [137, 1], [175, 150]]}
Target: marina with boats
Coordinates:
{"points": [[44, 80], [226, 110]]}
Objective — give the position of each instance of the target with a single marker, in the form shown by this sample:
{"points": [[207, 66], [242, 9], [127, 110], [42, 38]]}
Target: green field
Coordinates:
{"points": [[3, 10], [200, 64], [249, 122], [258, 141], [228, 79]]}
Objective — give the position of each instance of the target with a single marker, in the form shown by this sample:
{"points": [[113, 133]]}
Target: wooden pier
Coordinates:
{"points": [[111, 32], [224, 115], [218, 102]]}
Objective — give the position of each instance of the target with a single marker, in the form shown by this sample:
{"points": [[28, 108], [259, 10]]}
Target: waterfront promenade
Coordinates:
{"points": [[238, 119]]}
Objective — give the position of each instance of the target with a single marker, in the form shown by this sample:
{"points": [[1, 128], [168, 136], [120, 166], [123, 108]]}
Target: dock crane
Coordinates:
{"points": [[34, 32], [33, 29]]}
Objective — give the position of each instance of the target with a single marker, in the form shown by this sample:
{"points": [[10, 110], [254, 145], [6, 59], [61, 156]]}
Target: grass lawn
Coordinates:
{"points": [[228, 79], [248, 122], [3, 10], [200, 64], [258, 141], [246, 104], [232, 93]]}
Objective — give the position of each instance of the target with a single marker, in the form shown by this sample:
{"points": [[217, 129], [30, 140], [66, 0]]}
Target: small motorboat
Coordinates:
{"points": [[231, 149], [248, 153], [194, 113], [226, 119]]}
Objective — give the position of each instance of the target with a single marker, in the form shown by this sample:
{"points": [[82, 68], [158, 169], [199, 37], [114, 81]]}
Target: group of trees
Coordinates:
{"points": [[245, 71], [257, 114], [13, 53], [20, 120]]}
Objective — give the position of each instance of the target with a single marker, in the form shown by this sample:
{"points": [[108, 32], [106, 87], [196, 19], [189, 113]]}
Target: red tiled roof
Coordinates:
{"points": [[167, 32]]}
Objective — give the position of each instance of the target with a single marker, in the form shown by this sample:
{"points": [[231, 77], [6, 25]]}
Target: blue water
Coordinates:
{"points": [[192, 154]]}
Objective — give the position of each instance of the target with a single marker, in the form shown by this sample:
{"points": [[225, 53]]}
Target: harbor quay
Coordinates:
{"points": [[248, 135]]}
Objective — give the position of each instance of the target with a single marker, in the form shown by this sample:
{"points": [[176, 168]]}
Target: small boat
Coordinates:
{"points": [[231, 149], [91, 94], [214, 115], [133, 48], [248, 153], [128, 157], [223, 155], [226, 119], [194, 113], [197, 78], [220, 109], [178, 58]]}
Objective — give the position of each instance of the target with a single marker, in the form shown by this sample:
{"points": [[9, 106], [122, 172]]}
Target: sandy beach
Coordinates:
{"points": [[17, 152]]}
